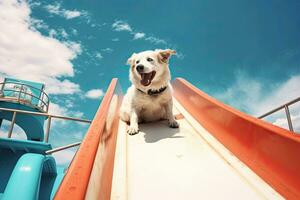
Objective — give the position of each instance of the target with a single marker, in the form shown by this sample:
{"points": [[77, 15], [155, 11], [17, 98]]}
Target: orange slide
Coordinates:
{"points": [[217, 151]]}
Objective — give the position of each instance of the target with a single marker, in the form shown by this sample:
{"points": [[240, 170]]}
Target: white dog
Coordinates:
{"points": [[149, 98]]}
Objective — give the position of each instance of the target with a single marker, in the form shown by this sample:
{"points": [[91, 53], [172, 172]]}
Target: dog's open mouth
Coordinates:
{"points": [[147, 78]]}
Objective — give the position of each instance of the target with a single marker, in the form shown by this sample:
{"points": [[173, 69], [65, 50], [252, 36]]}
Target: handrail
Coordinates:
{"points": [[40, 101], [63, 147], [287, 112], [25, 85], [20, 92], [11, 82], [46, 115], [49, 116], [43, 99]]}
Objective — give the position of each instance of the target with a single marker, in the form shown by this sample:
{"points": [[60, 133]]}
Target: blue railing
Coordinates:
{"points": [[24, 94]]}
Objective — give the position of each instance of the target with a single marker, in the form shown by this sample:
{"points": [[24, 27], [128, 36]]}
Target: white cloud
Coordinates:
{"points": [[138, 35], [107, 50], [94, 94], [54, 9], [61, 124], [64, 157], [121, 26], [68, 14], [76, 114], [64, 33], [74, 46], [18, 132], [115, 39], [155, 40], [55, 109], [248, 93], [38, 24], [255, 97], [281, 120], [45, 60], [34, 3], [243, 94], [52, 33], [99, 55], [69, 103], [55, 86], [283, 93], [180, 55], [74, 31]]}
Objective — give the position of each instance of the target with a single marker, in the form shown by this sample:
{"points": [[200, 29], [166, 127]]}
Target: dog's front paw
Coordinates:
{"points": [[173, 124], [132, 130]]}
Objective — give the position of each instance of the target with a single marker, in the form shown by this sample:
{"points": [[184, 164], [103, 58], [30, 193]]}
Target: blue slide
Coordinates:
{"points": [[24, 182], [33, 177]]}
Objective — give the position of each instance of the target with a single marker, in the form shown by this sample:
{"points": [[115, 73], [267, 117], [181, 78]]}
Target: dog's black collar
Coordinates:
{"points": [[153, 92]]}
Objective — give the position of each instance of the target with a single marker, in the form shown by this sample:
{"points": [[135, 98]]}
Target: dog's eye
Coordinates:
{"points": [[149, 59], [137, 62]]}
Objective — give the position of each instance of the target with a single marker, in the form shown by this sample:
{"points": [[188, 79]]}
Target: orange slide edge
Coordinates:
{"points": [[271, 152], [75, 183]]}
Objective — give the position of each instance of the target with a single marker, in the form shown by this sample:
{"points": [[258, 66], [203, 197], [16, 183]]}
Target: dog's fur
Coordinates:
{"points": [[138, 105]]}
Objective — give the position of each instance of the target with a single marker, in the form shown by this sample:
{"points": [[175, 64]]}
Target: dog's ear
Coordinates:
{"points": [[131, 60], [164, 55]]}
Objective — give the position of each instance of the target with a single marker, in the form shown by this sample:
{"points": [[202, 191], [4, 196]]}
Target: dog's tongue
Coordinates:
{"points": [[146, 78]]}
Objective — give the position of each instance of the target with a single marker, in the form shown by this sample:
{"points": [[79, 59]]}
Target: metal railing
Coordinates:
{"points": [[47, 131], [19, 93], [287, 112], [63, 148]]}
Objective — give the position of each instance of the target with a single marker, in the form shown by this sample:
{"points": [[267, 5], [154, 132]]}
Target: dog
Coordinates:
{"points": [[149, 98]]}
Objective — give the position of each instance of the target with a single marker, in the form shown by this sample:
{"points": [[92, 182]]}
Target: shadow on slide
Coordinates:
{"points": [[156, 131]]}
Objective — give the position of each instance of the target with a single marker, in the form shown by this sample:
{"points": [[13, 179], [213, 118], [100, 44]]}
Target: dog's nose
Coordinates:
{"points": [[140, 68]]}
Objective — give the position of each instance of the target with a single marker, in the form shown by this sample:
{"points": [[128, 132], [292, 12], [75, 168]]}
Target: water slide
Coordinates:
{"points": [[217, 153], [26, 172]]}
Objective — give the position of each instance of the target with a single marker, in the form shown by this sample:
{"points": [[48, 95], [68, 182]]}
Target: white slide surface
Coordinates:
{"points": [[184, 163]]}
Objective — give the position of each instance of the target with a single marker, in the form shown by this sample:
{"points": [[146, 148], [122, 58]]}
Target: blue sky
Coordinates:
{"points": [[244, 53]]}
